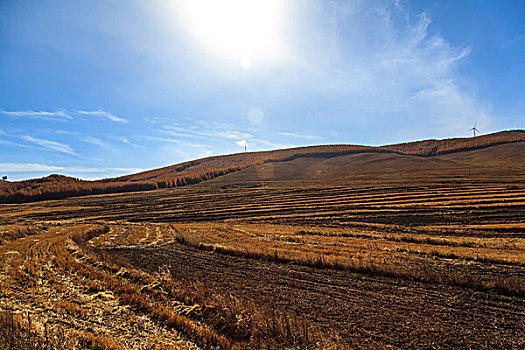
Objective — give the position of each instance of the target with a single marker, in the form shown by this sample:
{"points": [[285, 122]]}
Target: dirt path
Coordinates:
{"points": [[366, 311]]}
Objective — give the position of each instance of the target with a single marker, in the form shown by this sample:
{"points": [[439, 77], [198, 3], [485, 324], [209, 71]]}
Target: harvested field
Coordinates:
{"points": [[406, 267], [243, 263], [364, 311]]}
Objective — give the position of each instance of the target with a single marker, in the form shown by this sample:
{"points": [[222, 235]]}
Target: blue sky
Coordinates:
{"points": [[95, 89]]}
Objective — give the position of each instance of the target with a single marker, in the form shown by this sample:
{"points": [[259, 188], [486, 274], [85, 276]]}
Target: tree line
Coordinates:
{"points": [[193, 172]]}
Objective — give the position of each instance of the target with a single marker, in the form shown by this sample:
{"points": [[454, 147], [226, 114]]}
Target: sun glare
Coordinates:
{"points": [[244, 29], [246, 62]]}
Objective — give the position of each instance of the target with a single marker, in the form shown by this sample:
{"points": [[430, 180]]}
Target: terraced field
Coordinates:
{"points": [[322, 251], [243, 266], [333, 206]]}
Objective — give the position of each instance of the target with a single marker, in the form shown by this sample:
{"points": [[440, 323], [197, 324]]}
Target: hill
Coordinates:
{"points": [[414, 161], [499, 163], [331, 247]]}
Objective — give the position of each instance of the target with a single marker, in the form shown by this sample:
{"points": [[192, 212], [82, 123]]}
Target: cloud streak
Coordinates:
{"points": [[242, 143], [50, 145], [176, 141], [128, 142], [300, 136], [382, 68], [38, 168], [14, 144], [217, 133], [98, 142], [103, 115], [205, 132], [57, 115], [62, 115]]}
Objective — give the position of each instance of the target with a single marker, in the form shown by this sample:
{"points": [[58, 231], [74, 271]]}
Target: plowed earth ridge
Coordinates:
{"points": [[417, 267], [368, 312]]}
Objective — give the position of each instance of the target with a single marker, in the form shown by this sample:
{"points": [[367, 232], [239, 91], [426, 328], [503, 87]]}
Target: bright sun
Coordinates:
{"points": [[244, 29]]}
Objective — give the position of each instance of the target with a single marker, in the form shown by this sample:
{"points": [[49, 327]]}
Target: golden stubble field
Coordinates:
{"points": [[243, 267]]}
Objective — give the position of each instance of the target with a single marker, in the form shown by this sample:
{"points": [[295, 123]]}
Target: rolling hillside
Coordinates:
{"points": [[495, 155], [324, 247], [500, 163]]}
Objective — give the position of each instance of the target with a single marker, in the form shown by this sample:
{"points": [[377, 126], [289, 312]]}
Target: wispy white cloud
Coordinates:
{"points": [[27, 167], [177, 141], [38, 168], [62, 115], [51, 145], [14, 144], [213, 131], [103, 115], [157, 120], [370, 70], [177, 131], [57, 115], [228, 134], [512, 41], [128, 142], [98, 142], [125, 140], [242, 143], [212, 134], [374, 62], [300, 136], [261, 144], [67, 132]]}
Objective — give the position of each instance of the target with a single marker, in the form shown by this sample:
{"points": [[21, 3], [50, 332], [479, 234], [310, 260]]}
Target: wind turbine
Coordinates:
{"points": [[243, 143], [474, 129]]}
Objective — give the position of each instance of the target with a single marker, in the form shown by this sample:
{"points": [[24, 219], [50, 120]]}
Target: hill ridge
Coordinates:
{"points": [[199, 170]]}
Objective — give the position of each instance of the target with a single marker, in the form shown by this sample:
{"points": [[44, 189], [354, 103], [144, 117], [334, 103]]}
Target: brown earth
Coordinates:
{"points": [[366, 312], [363, 251], [415, 161]]}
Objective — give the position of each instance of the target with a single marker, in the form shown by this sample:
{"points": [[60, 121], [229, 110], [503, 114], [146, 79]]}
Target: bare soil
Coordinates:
{"points": [[371, 265], [366, 312]]}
